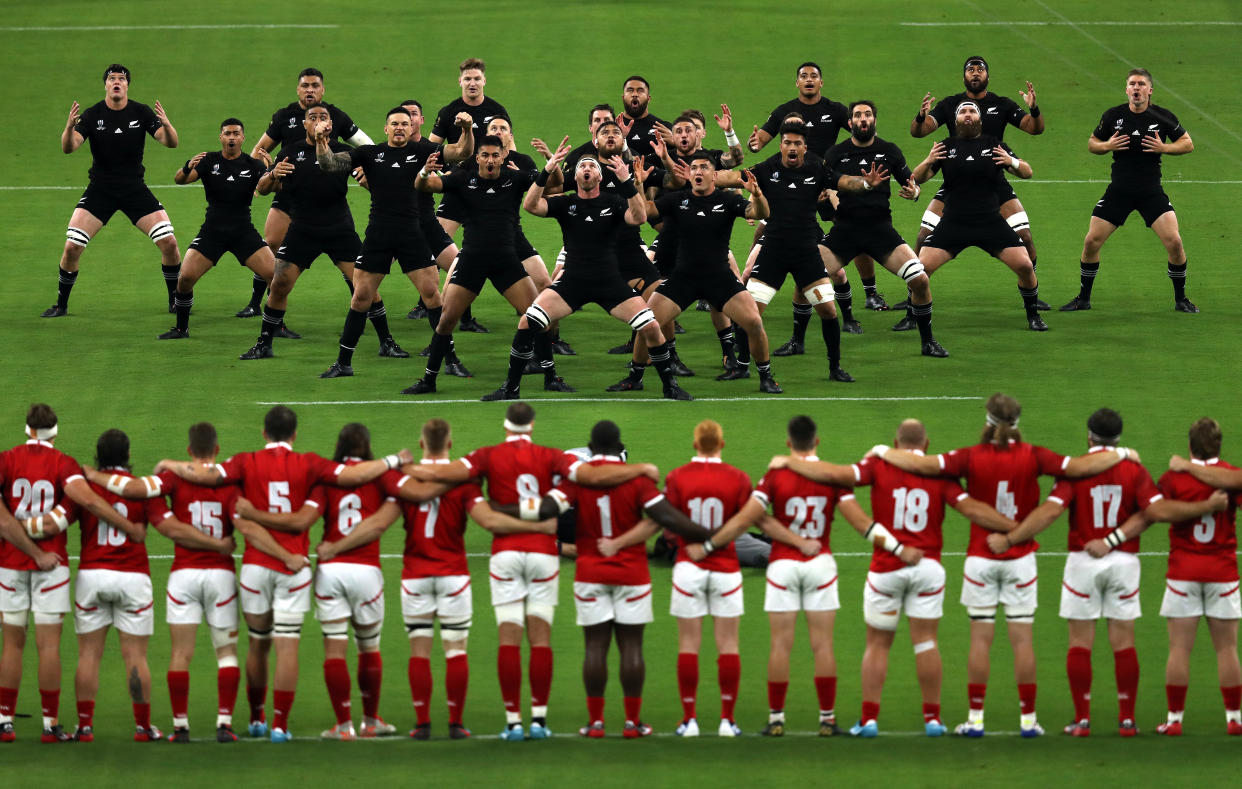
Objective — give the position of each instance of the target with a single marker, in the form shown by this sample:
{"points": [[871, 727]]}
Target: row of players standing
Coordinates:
{"points": [[976, 192]]}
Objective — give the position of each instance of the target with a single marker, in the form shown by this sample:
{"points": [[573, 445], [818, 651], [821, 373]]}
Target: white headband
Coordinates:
{"points": [[1105, 440], [516, 428], [42, 433], [965, 104], [994, 421]]}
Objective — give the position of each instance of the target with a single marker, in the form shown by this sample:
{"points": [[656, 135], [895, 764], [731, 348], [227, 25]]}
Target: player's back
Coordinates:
{"points": [[911, 505], [610, 512], [210, 510], [1102, 502], [709, 492], [33, 478], [1205, 549], [435, 533], [343, 509], [105, 547], [514, 470], [803, 506]]}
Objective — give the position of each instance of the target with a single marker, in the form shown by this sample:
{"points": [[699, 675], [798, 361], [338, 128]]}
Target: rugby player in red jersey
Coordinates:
{"points": [[1100, 582]]}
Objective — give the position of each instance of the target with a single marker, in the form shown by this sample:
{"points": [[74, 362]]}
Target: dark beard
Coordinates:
{"points": [[864, 136], [982, 87]]}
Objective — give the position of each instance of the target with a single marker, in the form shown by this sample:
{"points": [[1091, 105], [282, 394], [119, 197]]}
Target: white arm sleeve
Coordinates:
{"points": [[360, 138]]}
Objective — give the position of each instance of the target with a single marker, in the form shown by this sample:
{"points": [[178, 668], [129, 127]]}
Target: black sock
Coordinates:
{"points": [[441, 345], [467, 316], [349, 283], [802, 319], [1178, 275], [355, 325], [183, 303], [519, 355], [433, 316], [845, 300], [636, 371], [421, 306], [64, 286], [741, 341], [543, 352], [832, 339], [257, 286], [1029, 295], [764, 368], [923, 315], [272, 320], [1086, 276], [725, 336], [868, 286], [170, 278], [661, 361], [379, 319]]}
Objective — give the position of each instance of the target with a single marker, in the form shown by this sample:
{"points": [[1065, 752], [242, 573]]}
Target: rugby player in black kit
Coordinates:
{"points": [[229, 177], [489, 195], [637, 123], [861, 167], [997, 112], [117, 130], [321, 224], [393, 230], [286, 129], [589, 220], [1136, 133], [972, 163]]}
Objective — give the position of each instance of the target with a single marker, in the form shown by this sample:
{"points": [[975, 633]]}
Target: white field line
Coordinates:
{"points": [[615, 733], [1067, 23], [98, 28]]}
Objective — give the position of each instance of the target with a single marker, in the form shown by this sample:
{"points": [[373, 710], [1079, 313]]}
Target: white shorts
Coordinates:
{"points": [[1201, 598], [519, 575], [698, 592], [44, 592], [1008, 582], [344, 590], [264, 590], [197, 594], [113, 597], [1106, 587], [802, 586], [445, 596], [917, 591], [625, 605]]}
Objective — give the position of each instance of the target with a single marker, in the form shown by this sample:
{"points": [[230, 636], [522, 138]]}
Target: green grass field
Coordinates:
{"points": [[548, 62]]}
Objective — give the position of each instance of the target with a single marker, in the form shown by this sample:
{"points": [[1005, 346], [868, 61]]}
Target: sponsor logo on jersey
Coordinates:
{"points": [[825, 118], [134, 124], [99, 124], [809, 180], [244, 173], [397, 165], [809, 124], [1153, 127], [590, 219], [1120, 122], [412, 157], [993, 110], [379, 157], [230, 178], [301, 156], [793, 186], [507, 183], [491, 191], [970, 158], [700, 213], [718, 208], [293, 122], [118, 130], [986, 152], [573, 210], [605, 212], [215, 169]]}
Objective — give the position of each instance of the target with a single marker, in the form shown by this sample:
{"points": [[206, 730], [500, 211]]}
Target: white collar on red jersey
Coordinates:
{"points": [[701, 459], [613, 458], [433, 461], [276, 444], [39, 443], [116, 468], [1101, 448], [356, 460], [1208, 462], [517, 437]]}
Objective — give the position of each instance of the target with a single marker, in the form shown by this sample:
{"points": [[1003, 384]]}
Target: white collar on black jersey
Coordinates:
{"points": [[36, 442], [276, 444], [701, 459]]}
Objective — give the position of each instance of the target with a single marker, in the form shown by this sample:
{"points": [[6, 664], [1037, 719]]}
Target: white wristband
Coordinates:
{"points": [[882, 538], [116, 484], [153, 486], [423, 173], [1015, 164], [528, 508], [1123, 453], [731, 139], [59, 517], [392, 461], [879, 450], [1115, 537], [867, 187], [34, 527], [708, 547]]}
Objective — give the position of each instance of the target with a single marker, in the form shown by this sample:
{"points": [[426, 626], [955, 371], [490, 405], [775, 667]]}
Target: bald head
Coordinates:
{"points": [[911, 435]]}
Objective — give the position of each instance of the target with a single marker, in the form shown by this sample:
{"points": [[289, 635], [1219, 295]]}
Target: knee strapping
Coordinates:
{"points": [[455, 630], [511, 613], [223, 637], [541, 611], [15, 618], [420, 628], [1019, 221], [981, 613], [77, 236], [760, 292], [368, 636], [41, 618], [537, 317], [881, 620], [924, 646], [259, 635], [161, 231], [336, 631], [930, 220], [911, 269], [644, 317], [228, 661], [818, 294], [1021, 616], [287, 625]]}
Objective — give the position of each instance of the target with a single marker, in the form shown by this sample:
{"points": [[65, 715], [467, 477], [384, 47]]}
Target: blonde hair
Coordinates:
{"points": [[708, 436]]}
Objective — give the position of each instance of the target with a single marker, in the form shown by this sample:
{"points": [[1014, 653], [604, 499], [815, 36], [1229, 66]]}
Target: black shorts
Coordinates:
{"points": [[1116, 205], [386, 242], [633, 264], [524, 248], [1004, 192], [305, 242], [715, 288], [451, 208], [134, 200], [848, 240], [665, 255], [475, 268], [280, 202], [991, 234], [434, 236], [213, 241], [607, 291], [776, 261]]}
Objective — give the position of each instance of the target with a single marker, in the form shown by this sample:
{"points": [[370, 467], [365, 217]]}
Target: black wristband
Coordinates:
{"points": [[920, 118], [627, 188], [185, 168], [541, 180], [1035, 111]]}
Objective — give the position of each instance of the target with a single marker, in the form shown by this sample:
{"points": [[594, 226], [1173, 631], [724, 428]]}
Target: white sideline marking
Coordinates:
{"points": [[614, 734], [1069, 23], [415, 401], [89, 28], [842, 554]]}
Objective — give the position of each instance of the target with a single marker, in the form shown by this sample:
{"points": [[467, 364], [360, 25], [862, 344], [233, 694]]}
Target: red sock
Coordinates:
{"points": [[456, 679], [179, 692], [1176, 694], [8, 701], [1026, 697], [336, 677], [776, 695], [1078, 667], [282, 705], [420, 688], [540, 671], [1232, 696], [729, 673], [931, 712], [633, 708], [142, 715], [976, 692], [256, 695], [509, 669], [595, 708], [688, 682], [50, 701], [870, 711], [86, 713], [1126, 667], [227, 680], [826, 690], [370, 675]]}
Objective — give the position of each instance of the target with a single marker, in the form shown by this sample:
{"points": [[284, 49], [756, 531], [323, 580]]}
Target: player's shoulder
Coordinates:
{"points": [[833, 106]]}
